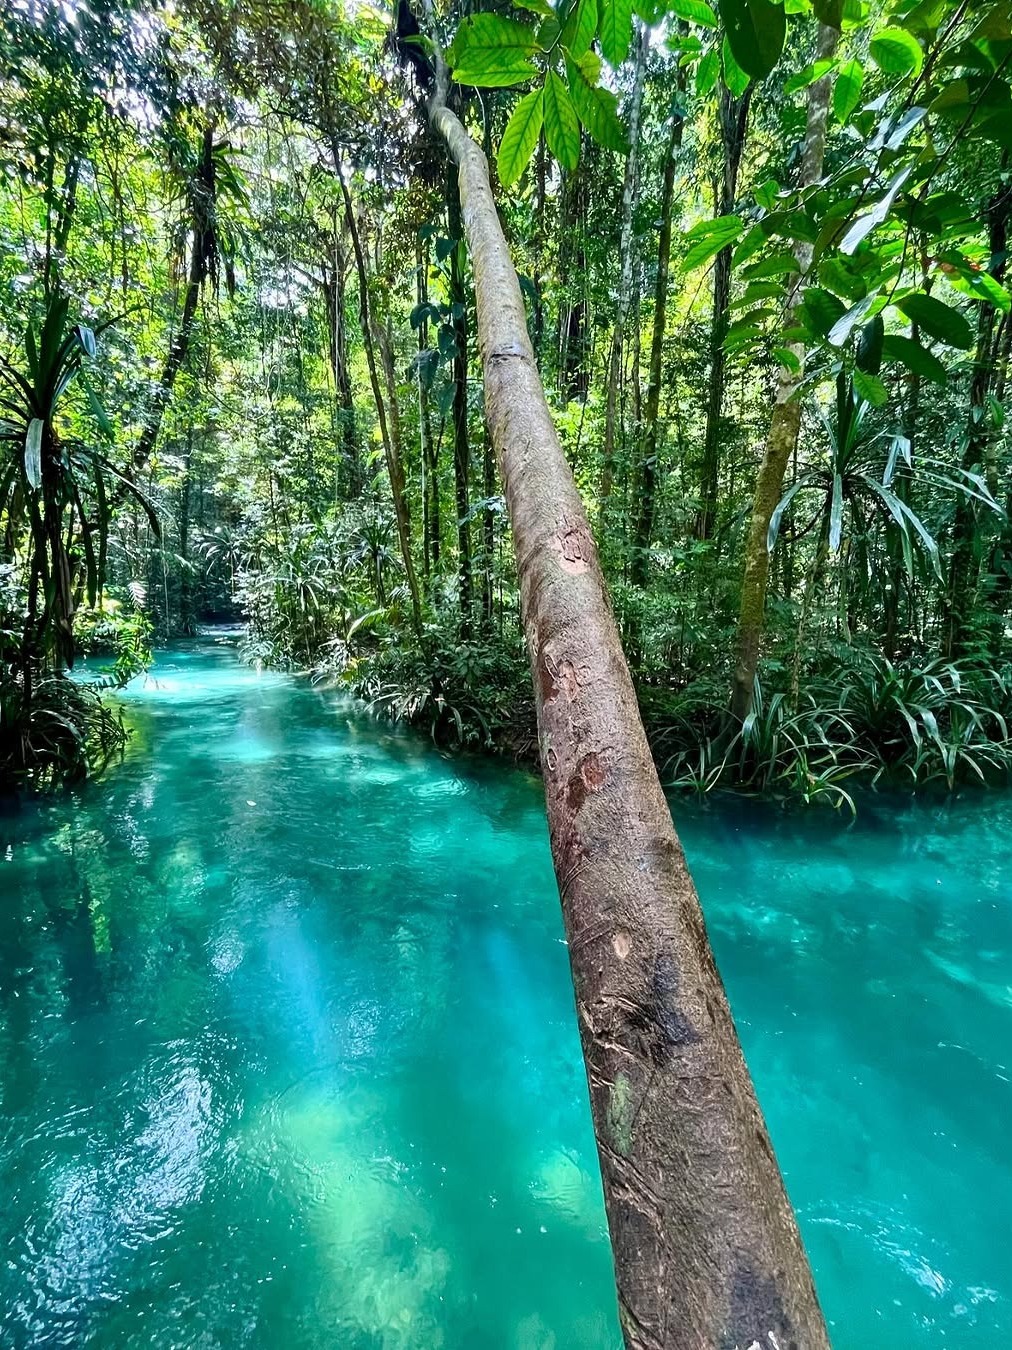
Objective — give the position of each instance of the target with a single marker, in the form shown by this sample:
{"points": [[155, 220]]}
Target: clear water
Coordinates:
{"points": [[288, 1059]]}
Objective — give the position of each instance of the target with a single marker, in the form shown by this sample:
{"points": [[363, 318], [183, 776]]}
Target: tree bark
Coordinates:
{"points": [[202, 245], [707, 1250], [461, 439], [391, 446], [733, 123], [785, 421], [429, 454], [629, 188], [334, 289], [648, 440], [962, 571]]}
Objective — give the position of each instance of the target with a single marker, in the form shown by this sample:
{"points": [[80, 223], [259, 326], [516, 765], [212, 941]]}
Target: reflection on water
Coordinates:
{"points": [[287, 1047], [288, 1057]]}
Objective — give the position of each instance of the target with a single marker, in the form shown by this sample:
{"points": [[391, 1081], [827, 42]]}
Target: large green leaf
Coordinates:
{"points": [[597, 108], [694, 11], [756, 30], [897, 52], [562, 127], [822, 310], [847, 90], [707, 72], [937, 320], [579, 29], [829, 12], [33, 452], [616, 30], [736, 79], [520, 137], [871, 388], [708, 238], [808, 76], [491, 52], [915, 357]]}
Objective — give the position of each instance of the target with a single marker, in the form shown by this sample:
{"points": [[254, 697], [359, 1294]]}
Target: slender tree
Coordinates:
{"points": [[785, 420], [707, 1250]]}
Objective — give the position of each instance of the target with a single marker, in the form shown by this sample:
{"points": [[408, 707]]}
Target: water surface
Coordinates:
{"points": [[288, 1056]]}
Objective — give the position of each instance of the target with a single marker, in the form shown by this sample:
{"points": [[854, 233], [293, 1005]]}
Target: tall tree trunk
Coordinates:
{"points": [[784, 422], [487, 531], [388, 428], [461, 439], [202, 245], [733, 123], [707, 1250], [335, 293], [648, 436], [427, 445], [540, 235], [186, 624], [573, 338], [629, 192], [963, 569]]}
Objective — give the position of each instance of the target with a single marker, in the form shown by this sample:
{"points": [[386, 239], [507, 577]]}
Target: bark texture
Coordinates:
{"points": [[203, 247], [707, 1250], [785, 421], [387, 417], [649, 440], [733, 125], [625, 290]]}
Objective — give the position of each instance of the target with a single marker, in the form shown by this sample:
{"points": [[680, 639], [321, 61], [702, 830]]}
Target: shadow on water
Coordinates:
{"points": [[288, 1054]]}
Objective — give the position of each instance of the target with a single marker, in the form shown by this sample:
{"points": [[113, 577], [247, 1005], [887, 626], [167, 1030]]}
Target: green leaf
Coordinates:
{"points": [[421, 314], [86, 338], [777, 265], [492, 52], [708, 238], [33, 452], [520, 138], [536, 7], [694, 11], [597, 108], [829, 12], [616, 30], [845, 325], [864, 225], [937, 319], [847, 90], [808, 76], [897, 52], [869, 345], [735, 78], [870, 388], [915, 357], [707, 72], [756, 30], [822, 310], [98, 411], [982, 286], [562, 128], [579, 29]]}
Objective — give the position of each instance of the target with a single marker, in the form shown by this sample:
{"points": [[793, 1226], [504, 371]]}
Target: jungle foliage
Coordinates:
{"points": [[763, 248]]}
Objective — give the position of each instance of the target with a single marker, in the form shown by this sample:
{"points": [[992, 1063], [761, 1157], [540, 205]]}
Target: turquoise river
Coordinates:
{"points": [[288, 1055]]}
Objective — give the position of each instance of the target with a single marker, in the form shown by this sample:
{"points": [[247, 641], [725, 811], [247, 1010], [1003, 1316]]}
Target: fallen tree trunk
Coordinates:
{"points": [[706, 1247]]}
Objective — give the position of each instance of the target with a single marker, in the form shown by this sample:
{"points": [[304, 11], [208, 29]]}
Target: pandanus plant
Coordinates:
{"points": [[863, 480], [54, 490]]}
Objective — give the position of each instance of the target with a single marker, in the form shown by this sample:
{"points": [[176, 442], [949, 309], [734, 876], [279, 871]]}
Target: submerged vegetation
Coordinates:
{"points": [[763, 261]]}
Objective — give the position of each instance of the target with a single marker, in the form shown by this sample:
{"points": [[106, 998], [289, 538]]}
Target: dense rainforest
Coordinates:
{"points": [[762, 261], [656, 350]]}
